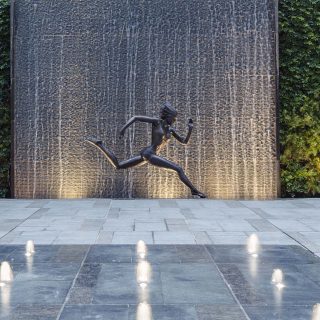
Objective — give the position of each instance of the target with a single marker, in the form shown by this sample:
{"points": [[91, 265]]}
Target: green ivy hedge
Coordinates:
{"points": [[299, 44], [4, 98]]}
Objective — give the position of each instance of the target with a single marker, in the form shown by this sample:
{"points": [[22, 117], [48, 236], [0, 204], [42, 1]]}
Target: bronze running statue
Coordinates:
{"points": [[161, 134]]}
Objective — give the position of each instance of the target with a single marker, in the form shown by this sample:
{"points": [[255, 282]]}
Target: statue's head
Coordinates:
{"points": [[168, 113]]}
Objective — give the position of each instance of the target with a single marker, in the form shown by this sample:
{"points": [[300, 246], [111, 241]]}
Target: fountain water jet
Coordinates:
{"points": [[29, 248], [6, 274], [142, 249], [316, 312], [144, 311], [5, 294], [277, 278], [253, 245], [143, 293], [143, 273]]}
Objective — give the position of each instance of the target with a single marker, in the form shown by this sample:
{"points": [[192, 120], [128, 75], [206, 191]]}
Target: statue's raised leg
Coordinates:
{"points": [[108, 153], [133, 162]]}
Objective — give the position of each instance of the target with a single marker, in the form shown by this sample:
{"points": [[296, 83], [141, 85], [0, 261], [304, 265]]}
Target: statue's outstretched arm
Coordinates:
{"points": [[137, 118], [187, 138]]}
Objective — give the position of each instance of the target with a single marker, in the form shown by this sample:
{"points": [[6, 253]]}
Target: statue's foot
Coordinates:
{"points": [[94, 141], [198, 194]]}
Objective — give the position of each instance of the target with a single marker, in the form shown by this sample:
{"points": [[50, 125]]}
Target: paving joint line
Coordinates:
{"points": [[20, 223], [101, 228], [228, 286], [72, 284], [295, 240], [282, 231], [152, 235], [166, 224]]}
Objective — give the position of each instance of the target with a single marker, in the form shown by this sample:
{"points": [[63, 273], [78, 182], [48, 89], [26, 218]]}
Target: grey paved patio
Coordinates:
{"points": [[85, 264], [105, 221]]}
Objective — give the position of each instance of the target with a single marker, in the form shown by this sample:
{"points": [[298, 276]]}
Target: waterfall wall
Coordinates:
{"points": [[83, 68]]}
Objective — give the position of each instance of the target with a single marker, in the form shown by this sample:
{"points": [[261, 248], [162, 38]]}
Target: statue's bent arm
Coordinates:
{"points": [[138, 118], [179, 138]]}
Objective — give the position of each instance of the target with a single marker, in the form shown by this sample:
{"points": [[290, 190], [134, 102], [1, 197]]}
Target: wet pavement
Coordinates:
{"points": [[187, 282]]}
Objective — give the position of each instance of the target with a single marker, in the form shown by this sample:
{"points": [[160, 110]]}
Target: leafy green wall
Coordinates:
{"points": [[299, 45], [4, 97]]}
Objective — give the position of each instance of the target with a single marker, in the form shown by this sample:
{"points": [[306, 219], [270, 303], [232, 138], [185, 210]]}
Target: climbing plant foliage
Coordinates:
{"points": [[299, 46], [4, 97]]}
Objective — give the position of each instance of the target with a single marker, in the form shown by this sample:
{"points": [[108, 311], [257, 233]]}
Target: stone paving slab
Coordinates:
{"points": [[132, 237], [187, 282], [163, 221]]}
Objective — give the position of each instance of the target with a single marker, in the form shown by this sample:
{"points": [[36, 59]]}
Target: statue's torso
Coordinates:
{"points": [[161, 134]]}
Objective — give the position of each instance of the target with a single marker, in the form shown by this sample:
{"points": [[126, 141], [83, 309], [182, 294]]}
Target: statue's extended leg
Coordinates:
{"points": [[108, 153], [133, 162], [164, 163]]}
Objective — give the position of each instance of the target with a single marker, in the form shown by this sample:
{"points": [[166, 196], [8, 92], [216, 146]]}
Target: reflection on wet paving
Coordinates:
{"points": [[316, 312], [144, 278], [179, 282]]}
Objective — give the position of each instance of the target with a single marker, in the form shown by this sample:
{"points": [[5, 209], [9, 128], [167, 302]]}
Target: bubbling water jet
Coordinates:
{"points": [[29, 248], [277, 278], [316, 312], [6, 274], [143, 274], [144, 311], [142, 249], [253, 245]]}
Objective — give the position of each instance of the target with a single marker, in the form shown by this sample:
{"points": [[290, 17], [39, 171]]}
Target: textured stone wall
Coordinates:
{"points": [[83, 68]]}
